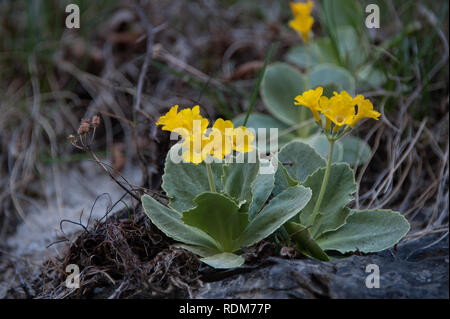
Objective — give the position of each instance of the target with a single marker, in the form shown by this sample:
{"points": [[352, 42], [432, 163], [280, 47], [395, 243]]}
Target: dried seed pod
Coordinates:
{"points": [[84, 128], [95, 121], [72, 138]]}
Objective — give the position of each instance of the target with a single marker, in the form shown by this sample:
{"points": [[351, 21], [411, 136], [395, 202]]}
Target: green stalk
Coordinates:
{"points": [[324, 182], [258, 84], [212, 186]]}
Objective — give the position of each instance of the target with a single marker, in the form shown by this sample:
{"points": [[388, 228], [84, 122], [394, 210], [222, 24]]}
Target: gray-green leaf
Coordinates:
{"points": [[341, 185], [169, 222], [282, 180], [201, 251], [304, 241], [331, 78], [224, 260], [262, 188], [183, 182], [322, 146], [356, 151], [280, 209], [218, 216], [366, 231], [300, 160], [239, 176], [280, 85]]}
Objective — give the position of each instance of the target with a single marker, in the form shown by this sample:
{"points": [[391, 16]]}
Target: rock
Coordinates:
{"points": [[418, 269]]}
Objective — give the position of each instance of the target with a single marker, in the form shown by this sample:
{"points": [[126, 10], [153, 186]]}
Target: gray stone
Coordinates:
{"points": [[417, 269]]}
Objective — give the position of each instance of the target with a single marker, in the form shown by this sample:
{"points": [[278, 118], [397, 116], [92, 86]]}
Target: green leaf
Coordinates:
{"points": [[182, 182], [262, 188], [340, 13], [280, 85], [320, 51], [300, 160], [325, 52], [341, 185], [370, 77], [366, 231], [280, 209], [266, 122], [239, 176], [332, 78], [282, 180], [305, 242], [259, 120], [351, 47], [332, 222], [355, 150], [169, 222], [218, 216], [302, 56], [337, 14], [224, 261], [321, 144], [201, 251]]}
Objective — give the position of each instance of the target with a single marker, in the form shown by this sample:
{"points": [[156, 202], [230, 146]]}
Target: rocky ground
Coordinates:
{"points": [[416, 269], [127, 257]]}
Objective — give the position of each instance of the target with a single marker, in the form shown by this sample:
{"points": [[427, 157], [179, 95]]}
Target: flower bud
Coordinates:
{"points": [[95, 121], [72, 138], [84, 128]]}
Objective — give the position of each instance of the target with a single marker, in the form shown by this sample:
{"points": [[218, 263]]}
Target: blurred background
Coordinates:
{"points": [[131, 60]]}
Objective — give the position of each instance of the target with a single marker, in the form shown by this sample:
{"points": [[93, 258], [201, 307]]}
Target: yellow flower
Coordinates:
{"points": [[339, 109], [183, 122], [197, 144], [171, 120], [197, 147], [303, 25], [222, 138], [188, 117], [301, 8], [242, 140], [365, 109], [310, 99]]}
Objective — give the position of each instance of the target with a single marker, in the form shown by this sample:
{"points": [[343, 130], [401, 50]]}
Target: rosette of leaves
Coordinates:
{"points": [[336, 228], [217, 225]]}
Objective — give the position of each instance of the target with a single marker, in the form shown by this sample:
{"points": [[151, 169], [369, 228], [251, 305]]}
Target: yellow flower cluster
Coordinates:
{"points": [[303, 21], [341, 109], [198, 143]]}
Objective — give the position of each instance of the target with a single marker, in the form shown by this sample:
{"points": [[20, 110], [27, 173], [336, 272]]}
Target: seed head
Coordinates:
{"points": [[95, 121], [84, 127], [72, 138]]}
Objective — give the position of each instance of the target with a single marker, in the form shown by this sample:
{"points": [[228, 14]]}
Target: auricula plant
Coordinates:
{"points": [[220, 202], [326, 223], [218, 199]]}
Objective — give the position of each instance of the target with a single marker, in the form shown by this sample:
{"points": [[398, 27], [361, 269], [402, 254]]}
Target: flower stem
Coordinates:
{"points": [[212, 186], [324, 183]]}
